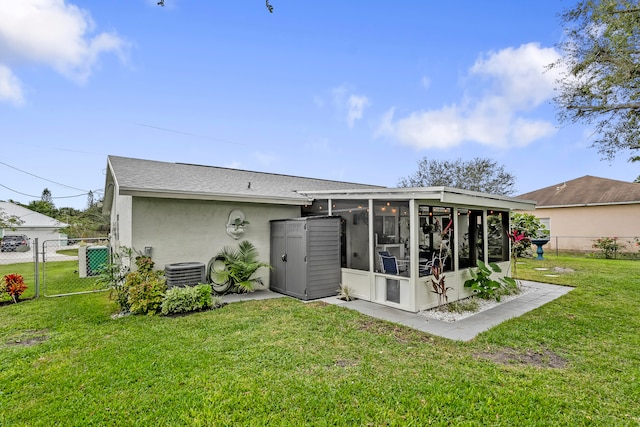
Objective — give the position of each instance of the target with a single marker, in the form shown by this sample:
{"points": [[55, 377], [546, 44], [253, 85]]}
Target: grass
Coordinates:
{"points": [[574, 361]]}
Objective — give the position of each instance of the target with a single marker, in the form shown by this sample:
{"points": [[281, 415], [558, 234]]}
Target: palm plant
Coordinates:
{"points": [[237, 268]]}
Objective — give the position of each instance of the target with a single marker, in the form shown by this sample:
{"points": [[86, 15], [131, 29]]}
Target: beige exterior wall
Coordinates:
{"points": [[194, 230], [575, 228]]}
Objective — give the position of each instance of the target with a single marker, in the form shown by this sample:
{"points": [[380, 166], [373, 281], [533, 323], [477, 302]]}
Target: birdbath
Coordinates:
{"points": [[540, 242]]}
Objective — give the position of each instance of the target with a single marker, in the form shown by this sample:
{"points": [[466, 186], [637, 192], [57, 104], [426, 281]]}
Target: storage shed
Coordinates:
{"points": [[305, 255]]}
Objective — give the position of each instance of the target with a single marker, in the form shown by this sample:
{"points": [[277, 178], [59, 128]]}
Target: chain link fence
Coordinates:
{"points": [[57, 267], [74, 267], [617, 247], [19, 257]]}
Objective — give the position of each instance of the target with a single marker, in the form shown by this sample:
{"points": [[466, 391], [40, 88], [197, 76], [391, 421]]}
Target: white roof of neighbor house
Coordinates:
{"points": [[152, 178], [149, 178], [31, 218]]}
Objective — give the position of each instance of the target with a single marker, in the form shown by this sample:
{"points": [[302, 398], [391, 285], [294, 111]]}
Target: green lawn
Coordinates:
{"points": [[574, 361]]}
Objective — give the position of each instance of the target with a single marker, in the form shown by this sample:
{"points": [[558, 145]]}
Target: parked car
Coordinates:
{"points": [[14, 243]]}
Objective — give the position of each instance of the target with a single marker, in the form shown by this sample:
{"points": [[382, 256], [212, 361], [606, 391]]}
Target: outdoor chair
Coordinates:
{"points": [[389, 264]]}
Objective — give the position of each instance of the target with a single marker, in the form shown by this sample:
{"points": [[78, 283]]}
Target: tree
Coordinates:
{"points": [[483, 175], [43, 207], [90, 201], [599, 71], [9, 221], [46, 196]]}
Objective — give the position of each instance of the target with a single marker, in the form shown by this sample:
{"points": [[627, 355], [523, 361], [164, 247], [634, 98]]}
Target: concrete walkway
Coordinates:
{"points": [[462, 330]]}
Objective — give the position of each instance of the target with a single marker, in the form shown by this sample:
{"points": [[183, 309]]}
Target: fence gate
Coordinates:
{"points": [[73, 267]]}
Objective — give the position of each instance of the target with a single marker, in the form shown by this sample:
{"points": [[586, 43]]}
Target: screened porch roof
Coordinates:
{"points": [[444, 195]]}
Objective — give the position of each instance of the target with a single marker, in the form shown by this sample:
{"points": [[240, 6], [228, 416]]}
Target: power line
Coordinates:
{"points": [[39, 177], [37, 197]]}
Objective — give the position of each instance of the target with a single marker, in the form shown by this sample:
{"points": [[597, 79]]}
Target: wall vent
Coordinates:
{"points": [[184, 274]]}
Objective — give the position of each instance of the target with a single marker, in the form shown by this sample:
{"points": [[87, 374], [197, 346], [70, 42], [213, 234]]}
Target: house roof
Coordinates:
{"points": [[150, 178], [586, 191], [179, 180], [31, 218]]}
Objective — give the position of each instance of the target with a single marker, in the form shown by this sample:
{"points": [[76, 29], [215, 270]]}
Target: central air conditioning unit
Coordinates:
{"points": [[184, 274]]}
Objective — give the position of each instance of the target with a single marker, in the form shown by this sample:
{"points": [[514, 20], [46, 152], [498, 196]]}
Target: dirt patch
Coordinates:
{"points": [[510, 356], [342, 363], [28, 338]]}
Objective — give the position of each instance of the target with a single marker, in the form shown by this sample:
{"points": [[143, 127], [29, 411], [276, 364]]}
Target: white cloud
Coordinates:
{"points": [[425, 82], [345, 100], [54, 34], [517, 84], [355, 108], [10, 88]]}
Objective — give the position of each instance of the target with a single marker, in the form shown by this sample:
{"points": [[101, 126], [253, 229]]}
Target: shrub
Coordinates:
{"points": [[608, 246], [146, 293], [13, 284], [345, 293], [240, 266], [189, 298], [486, 287], [144, 288]]}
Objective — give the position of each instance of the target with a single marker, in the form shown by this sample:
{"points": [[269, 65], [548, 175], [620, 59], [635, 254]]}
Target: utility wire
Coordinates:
{"points": [[37, 197], [45, 179]]}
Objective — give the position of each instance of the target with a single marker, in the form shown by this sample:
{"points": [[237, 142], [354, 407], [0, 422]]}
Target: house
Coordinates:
{"points": [[34, 225], [581, 210], [184, 213]]}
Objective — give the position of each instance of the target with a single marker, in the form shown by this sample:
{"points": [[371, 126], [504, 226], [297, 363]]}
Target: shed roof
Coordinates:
{"points": [[179, 180], [32, 219], [586, 191]]}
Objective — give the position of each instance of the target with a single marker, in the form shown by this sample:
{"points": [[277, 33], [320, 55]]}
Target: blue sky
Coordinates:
{"points": [[355, 90]]}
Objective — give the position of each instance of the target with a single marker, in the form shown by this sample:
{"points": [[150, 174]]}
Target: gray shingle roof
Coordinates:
{"points": [[587, 190], [150, 176]]}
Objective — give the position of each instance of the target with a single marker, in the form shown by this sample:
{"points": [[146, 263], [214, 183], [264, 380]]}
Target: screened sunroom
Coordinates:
{"points": [[391, 239]]}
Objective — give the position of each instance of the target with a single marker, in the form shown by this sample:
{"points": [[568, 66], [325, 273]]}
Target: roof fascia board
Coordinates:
{"points": [[490, 202], [584, 205], [213, 197]]}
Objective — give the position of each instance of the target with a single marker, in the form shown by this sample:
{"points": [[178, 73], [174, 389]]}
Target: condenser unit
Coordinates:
{"points": [[184, 274]]}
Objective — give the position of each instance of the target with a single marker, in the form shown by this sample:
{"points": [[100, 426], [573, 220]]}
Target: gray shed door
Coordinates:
{"points": [[288, 257], [296, 276]]}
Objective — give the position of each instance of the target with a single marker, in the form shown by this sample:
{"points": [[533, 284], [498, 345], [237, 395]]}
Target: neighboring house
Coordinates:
{"points": [[34, 225], [583, 209], [184, 213]]}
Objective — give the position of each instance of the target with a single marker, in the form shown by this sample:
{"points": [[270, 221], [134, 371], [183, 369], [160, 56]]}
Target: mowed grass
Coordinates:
{"points": [[56, 278], [574, 361]]}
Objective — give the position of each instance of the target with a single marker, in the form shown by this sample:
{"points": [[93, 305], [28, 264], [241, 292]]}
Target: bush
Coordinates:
{"points": [[13, 284], [608, 246], [146, 292], [189, 298], [487, 288], [144, 288]]}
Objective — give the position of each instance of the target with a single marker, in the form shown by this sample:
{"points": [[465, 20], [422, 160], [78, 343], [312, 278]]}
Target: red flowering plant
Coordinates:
{"points": [[518, 241], [13, 284]]}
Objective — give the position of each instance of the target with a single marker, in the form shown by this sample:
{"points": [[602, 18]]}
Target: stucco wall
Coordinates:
{"points": [[195, 230], [575, 228]]}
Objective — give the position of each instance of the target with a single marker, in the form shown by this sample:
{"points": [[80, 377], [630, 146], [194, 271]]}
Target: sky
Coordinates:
{"points": [[356, 91]]}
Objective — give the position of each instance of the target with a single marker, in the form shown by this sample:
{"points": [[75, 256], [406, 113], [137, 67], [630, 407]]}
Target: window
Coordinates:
{"points": [[470, 238], [354, 232], [435, 234], [498, 241]]}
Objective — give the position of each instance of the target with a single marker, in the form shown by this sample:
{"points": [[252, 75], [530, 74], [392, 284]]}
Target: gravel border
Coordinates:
{"points": [[447, 316]]}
